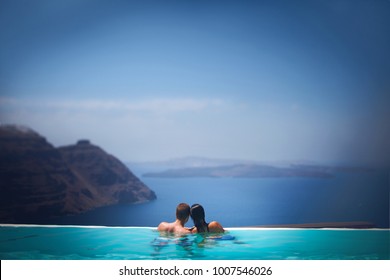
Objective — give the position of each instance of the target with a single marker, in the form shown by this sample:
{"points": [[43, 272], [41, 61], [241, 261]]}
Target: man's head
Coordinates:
{"points": [[183, 212]]}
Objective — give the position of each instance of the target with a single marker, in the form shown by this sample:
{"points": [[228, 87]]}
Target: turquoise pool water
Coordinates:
{"points": [[77, 243]]}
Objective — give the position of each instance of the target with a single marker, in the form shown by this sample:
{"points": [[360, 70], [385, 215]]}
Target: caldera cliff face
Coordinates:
{"points": [[39, 181]]}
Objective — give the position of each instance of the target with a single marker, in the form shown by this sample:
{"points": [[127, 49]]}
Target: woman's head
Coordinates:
{"points": [[198, 216]]}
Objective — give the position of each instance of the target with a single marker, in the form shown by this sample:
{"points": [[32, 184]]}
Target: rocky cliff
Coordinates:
{"points": [[104, 175], [39, 181]]}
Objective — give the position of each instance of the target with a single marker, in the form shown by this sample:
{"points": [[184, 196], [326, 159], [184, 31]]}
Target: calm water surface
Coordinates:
{"points": [[239, 202], [107, 243]]}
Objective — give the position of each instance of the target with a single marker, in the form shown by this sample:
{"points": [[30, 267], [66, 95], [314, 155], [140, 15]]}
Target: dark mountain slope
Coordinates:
{"points": [[38, 181]]}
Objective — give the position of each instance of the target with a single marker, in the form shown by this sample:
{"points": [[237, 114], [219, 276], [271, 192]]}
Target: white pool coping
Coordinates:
{"points": [[227, 228]]}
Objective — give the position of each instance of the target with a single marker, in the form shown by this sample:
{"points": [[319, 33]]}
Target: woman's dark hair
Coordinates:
{"points": [[198, 217]]}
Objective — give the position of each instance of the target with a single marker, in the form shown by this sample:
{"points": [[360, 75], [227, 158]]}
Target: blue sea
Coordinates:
{"points": [[243, 202]]}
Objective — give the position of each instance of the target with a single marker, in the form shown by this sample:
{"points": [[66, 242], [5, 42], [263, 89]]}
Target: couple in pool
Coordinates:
{"points": [[183, 213]]}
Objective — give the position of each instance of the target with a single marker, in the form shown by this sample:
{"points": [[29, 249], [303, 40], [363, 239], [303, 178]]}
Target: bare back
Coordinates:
{"points": [[174, 227]]}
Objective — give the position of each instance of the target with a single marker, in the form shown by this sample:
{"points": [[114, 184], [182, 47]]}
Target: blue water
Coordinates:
{"points": [[236, 202], [107, 243]]}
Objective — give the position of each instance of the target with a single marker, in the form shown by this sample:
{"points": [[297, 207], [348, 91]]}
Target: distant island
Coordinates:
{"points": [[39, 181], [247, 169], [243, 170]]}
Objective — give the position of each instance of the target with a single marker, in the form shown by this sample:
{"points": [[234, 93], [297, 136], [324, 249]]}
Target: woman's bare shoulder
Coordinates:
{"points": [[214, 226]]}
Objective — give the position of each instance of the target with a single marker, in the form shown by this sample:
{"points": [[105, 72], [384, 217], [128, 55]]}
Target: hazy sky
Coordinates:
{"points": [[151, 80]]}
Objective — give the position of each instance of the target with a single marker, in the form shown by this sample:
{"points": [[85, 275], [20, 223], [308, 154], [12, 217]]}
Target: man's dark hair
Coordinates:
{"points": [[182, 211]]}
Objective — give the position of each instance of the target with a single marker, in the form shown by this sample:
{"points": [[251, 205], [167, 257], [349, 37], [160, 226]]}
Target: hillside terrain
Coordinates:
{"points": [[39, 181]]}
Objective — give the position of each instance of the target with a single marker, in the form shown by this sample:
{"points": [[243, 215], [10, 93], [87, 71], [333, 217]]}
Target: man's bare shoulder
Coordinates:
{"points": [[164, 226], [179, 229]]}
